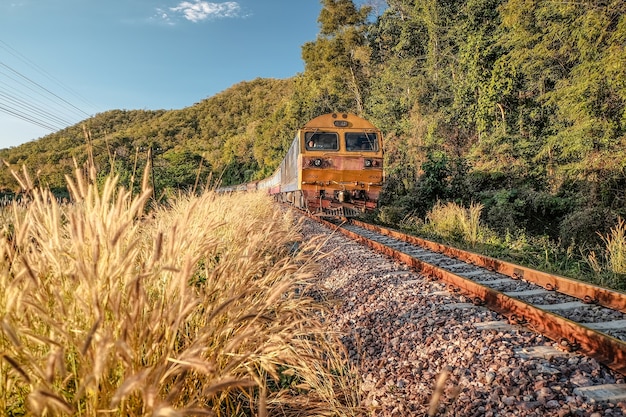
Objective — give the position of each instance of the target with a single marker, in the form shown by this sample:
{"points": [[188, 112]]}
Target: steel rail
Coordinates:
{"points": [[589, 293], [569, 334]]}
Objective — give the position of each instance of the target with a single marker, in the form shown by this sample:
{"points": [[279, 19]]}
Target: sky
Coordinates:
{"points": [[62, 61]]}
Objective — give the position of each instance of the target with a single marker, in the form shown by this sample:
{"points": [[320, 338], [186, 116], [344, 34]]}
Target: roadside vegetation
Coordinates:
{"points": [[603, 264], [111, 305]]}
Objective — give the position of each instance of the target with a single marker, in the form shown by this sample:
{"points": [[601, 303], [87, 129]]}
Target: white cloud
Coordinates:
{"points": [[202, 10], [162, 15]]}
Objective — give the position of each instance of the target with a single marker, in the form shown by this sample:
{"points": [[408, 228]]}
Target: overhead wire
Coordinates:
{"points": [[29, 100], [45, 73], [17, 104], [26, 118], [34, 101], [63, 102]]}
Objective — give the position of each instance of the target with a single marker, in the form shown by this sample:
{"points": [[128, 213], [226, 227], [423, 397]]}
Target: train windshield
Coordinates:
{"points": [[361, 142], [327, 141]]}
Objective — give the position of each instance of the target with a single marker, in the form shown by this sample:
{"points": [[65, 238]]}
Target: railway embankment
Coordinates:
{"points": [[424, 350]]}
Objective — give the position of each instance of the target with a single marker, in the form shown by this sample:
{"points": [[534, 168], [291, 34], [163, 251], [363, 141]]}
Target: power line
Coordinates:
{"points": [[42, 71], [34, 103], [26, 118], [43, 88], [16, 102], [24, 98]]}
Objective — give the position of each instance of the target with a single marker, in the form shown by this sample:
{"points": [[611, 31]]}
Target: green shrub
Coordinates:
{"points": [[586, 227], [391, 215]]}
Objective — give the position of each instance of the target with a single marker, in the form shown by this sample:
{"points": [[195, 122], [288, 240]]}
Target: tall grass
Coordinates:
{"points": [[462, 227], [110, 308], [615, 248], [456, 222]]}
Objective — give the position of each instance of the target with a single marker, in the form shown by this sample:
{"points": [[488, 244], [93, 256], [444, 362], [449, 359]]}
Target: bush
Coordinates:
{"points": [[502, 210], [391, 215], [586, 227]]}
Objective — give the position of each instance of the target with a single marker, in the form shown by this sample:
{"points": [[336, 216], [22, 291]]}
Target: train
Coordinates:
{"points": [[334, 168]]}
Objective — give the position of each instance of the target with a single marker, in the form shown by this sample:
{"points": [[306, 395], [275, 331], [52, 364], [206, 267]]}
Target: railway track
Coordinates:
{"points": [[581, 317]]}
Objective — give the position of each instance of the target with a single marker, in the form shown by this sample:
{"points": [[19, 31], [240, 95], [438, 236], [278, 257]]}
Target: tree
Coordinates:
{"points": [[336, 63]]}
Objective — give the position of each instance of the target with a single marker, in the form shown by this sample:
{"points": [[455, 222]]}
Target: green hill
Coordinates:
{"points": [[230, 135]]}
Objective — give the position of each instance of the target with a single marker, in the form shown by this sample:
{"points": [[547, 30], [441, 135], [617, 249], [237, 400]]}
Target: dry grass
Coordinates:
{"points": [[199, 308], [444, 219], [615, 248], [455, 222]]}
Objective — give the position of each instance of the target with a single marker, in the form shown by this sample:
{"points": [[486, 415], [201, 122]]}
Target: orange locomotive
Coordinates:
{"points": [[334, 167]]}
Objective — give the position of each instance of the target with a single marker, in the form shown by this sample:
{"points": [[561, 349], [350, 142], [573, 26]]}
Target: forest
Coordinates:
{"points": [[518, 105]]}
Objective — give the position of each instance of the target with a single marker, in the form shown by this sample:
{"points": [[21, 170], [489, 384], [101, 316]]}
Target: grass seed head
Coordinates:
{"points": [[180, 310]]}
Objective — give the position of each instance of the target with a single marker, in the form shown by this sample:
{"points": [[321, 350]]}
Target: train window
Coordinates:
{"points": [[326, 141], [361, 142]]}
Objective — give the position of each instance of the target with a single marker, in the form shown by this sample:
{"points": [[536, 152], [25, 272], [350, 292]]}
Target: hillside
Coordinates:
{"points": [[231, 133]]}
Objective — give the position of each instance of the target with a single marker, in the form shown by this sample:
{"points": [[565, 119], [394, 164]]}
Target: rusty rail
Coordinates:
{"points": [[582, 290], [571, 335]]}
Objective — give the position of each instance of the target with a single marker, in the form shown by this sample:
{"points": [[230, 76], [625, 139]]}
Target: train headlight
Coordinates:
{"points": [[371, 163], [317, 162]]}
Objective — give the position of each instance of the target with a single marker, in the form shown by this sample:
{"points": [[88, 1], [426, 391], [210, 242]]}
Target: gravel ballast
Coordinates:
{"points": [[412, 339]]}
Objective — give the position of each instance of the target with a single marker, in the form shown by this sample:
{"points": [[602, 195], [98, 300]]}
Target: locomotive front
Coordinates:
{"points": [[341, 165]]}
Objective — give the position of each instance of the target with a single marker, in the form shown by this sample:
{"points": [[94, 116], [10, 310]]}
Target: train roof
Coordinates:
{"points": [[346, 120]]}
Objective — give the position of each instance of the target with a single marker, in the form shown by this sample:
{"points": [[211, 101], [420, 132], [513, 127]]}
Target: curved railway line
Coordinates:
{"points": [[581, 317]]}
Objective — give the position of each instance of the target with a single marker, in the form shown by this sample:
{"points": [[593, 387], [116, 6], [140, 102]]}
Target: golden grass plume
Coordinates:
{"points": [[198, 308]]}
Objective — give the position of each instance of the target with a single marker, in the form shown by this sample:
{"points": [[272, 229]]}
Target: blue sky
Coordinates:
{"points": [[64, 60]]}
